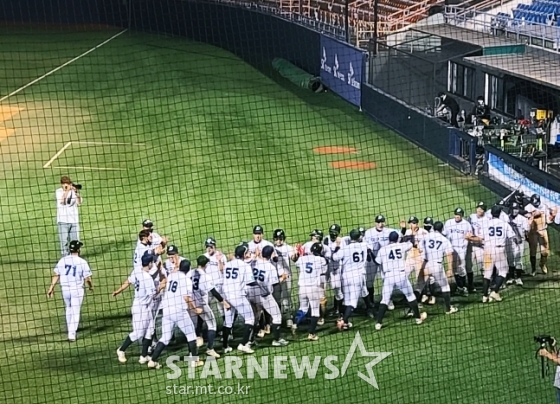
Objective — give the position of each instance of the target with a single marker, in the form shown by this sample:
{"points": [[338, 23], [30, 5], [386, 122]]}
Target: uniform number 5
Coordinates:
{"points": [[232, 273], [308, 267], [395, 254], [495, 231]]}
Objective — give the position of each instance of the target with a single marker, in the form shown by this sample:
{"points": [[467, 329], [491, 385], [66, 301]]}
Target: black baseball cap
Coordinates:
{"points": [[279, 234], [482, 206], [202, 261], [496, 210], [394, 236], [240, 251], [258, 229], [316, 233], [413, 219], [172, 250], [210, 242], [185, 266], [147, 259], [267, 252], [334, 229], [75, 246], [438, 226], [459, 211], [428, 221], [355, 234], [380, 219], [148, 223]]}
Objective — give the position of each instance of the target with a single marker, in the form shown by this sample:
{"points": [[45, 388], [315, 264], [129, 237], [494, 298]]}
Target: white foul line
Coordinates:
{"points": [[111, 143], [58, 153], [60, 67], [91, 168]]}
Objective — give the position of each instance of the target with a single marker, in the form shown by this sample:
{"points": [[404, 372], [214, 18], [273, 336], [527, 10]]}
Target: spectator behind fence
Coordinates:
{"points": [[451, 104]]}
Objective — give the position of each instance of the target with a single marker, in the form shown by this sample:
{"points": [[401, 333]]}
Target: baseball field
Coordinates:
{"points": [[203, 144]]}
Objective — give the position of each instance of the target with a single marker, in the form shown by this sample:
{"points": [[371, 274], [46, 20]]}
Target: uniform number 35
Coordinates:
{"points": [[495, 231]]}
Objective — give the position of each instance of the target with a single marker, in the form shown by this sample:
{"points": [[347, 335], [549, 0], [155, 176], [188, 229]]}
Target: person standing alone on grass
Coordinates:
{"points": [[72, 271], [67, 201]]}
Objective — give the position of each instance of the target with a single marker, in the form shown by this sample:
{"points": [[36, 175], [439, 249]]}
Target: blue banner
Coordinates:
{"points": [[341, 69]]}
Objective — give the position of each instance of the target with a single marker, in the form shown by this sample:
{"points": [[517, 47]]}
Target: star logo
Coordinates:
{"points": [[377, 357]]}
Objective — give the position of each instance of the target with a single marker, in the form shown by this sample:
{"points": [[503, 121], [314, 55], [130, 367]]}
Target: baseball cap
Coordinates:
{"points": [[380, 219], [496, 210], [148, 223], [394, 236], [279, 234], [147, 259], [316, 233], [258, 229], [428, 221], [335, 228], [482, 206], [172, 250], [267, 251], [438, 226], [355, 234], [75, 246], [202, 261], [413, 219], [459, 211], [240, 251], [185, 266], [210, 242], [362, 230]]}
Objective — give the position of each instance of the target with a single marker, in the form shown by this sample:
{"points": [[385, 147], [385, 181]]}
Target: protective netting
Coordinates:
{"points": [[169, 116]]}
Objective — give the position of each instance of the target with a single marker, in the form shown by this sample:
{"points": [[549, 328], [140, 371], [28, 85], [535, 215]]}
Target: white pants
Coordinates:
{"points": [[207, 316], [515, 254], [73, 299], [239, 304], [495, 257], [179, 318], [155, 311], [141, 318], [218, 288], [438, 273], [396, 280], [475, 256], [352, 288], [459, 261], [269, 305], [310, 298]]}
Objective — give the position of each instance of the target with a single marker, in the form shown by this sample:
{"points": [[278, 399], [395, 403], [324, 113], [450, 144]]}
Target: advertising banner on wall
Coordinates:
{"points": [[342, 68], [508, 176]]}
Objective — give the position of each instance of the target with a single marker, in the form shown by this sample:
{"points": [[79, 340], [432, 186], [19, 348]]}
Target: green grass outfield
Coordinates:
{"points": [[212, 147]]}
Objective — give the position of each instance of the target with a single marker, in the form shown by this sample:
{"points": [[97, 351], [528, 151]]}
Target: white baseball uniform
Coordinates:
{"points": [[175, 308], [169, 267], [142, 316], [413, 258], [496, 234], [217, 277], [237, 275], [520, 225], [285, 252], [352, 257], [311, 269], [375, 239], [503, 215], [201, 286], [392, 259], [475, 250], [139, 252], [266, 275], [333, 268], [434, 248], [455, 233], [72, 270], [67, 218]]}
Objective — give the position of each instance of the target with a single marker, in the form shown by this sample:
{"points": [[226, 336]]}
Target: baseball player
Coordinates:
{"points": [[144, 245], [333, 272], [144, 291], [495, 237], [311, 269], [285, 254], [215, 268], [72, 271], [538, 215], [238, 274], [456, 230], [202, 289], [392, 259], [173, 260], [68, 199], [316, 237], [375, 238], [177, 300], [258, 243], [266, 275], [352, 257], [156, 239], [475, 250], [416, 234], [520, 225], [435, 247]]}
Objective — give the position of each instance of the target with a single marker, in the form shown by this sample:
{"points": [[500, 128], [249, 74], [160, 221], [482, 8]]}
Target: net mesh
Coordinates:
{"points": [[173, 111]]}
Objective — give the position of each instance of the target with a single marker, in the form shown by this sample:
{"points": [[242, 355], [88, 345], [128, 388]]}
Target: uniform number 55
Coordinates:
{"points": [[232, 273]]}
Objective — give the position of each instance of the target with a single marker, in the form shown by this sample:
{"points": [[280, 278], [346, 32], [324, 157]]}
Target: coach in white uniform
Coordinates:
{"points": [[258, 243], [520, 225], [286, 254], [456, 230], [144, 292], [238, 274], [392, 259], [72, 271], [475, 250], [496, 235], [330, 244], [67, 217], [176, 303]]}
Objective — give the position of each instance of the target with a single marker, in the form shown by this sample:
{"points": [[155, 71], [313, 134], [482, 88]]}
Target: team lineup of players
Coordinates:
{"points": [[255, 282]]}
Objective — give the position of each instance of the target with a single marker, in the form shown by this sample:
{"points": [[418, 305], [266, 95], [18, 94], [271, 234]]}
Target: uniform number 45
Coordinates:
{"points": [[232, 273], [395, 254]]}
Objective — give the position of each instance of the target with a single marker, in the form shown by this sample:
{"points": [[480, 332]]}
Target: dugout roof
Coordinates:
{"points": [[433, 49], [460, 34]]}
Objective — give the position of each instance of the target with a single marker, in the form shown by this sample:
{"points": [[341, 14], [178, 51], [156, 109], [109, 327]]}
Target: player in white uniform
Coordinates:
{"points": [[238, 274], [72, 271], [311, 269], [316, 237], [203, 287], [143, 246], [435, 247], [156, 239], [266, 275], [392, 259], [456, 230], [173, 260], [375, 238], [352, 258], [215, 269], [520, 225], [495, 237], [258, 243], [285, 255], [475, 250], [176, 304], [333, 272], [144, 291]]}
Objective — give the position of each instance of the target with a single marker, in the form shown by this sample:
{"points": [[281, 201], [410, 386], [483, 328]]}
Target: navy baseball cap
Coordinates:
{"points": [[202, 261], [413, 219], [482, 206], [185, 266], [496, 211], [316, 233], [380, 219], [148, 223], [459, 211], [172, 250], [438, 226], [75, 246], [428, 221], [258, 229], [267, 252], [147, 259], [394, 236], [210, 242], [240, 251]]}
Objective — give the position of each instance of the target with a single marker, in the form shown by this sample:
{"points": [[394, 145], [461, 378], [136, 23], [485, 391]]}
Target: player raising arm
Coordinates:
{"points": [[72, 271]]}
